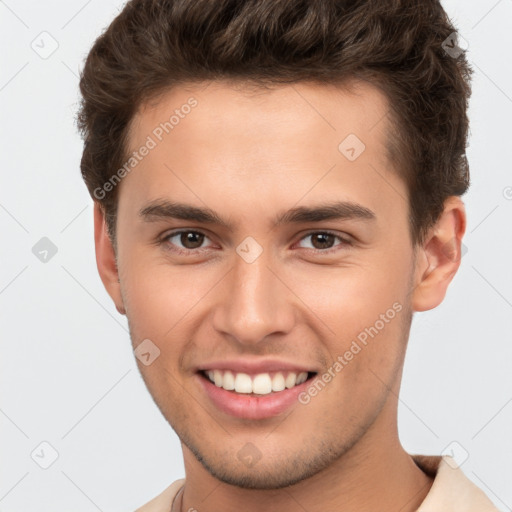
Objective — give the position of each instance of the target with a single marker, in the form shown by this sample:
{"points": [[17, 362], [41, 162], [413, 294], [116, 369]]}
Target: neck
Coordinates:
{"points": [[375, 474]]}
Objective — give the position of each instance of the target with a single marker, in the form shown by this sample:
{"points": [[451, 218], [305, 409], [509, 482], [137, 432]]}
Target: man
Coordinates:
{"points": [[277, 190]]}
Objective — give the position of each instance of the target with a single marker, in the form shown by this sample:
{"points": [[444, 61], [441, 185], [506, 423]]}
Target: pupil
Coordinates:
{"points": [[325, 240], [191, 240]]}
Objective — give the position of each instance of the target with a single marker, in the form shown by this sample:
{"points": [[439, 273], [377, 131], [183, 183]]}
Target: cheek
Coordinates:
{"points": [[365, 359], [349, 298], [159, 297], [361, 315]]}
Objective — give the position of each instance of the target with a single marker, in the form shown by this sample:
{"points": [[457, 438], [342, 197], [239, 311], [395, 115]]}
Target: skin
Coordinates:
{"points": [[250, 155]]}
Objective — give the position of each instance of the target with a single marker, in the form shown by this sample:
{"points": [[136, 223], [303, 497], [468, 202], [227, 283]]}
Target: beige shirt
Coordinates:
{"points": [[451, 491]]}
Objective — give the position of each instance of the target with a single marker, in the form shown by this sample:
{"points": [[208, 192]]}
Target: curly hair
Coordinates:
{"points": [[398, 46]]}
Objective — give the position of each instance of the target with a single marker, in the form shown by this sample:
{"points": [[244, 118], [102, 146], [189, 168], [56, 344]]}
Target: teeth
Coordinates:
{"points": [[261, 384], [290, 380], [243, 383], [228, 381], [302, 377], [278, 382], [217, 378]]}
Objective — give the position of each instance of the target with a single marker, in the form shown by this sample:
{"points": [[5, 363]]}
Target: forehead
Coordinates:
{"points": [[267, 144], [293, 111]]}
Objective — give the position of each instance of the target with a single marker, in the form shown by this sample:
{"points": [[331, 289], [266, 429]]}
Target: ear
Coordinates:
{"points": [[106, 259], [438, 258]]}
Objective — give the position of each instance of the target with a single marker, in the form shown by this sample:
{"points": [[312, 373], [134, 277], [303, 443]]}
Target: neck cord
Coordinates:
{"points": [[177, 501]]}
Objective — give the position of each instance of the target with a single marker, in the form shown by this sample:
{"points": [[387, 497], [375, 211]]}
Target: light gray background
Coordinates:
{"points": [[67, 372]]}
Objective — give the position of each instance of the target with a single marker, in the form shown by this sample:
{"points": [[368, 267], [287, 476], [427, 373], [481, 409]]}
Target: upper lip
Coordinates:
{"points": [[255, 366]]}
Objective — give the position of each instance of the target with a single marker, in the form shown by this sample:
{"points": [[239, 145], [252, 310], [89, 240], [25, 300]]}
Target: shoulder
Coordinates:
{"points": [[452, 489], [163, 502]]}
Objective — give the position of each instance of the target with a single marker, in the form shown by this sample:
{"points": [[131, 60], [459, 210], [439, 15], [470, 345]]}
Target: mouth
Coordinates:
{"points": [[260, 384], [253, 396]]}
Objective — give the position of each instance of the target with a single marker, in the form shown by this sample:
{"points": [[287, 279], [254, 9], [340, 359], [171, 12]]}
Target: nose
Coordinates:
{"points": [[253, 302]]}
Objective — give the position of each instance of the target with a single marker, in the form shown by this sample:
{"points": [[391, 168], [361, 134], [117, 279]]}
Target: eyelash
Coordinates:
{"points": [[190, 252]]}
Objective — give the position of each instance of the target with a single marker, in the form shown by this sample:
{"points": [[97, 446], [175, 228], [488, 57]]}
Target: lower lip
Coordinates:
{"points": [[250, 406]]}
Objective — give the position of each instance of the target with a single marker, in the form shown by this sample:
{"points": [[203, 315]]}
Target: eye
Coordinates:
{"points": [[324, 241], [189, 240]]}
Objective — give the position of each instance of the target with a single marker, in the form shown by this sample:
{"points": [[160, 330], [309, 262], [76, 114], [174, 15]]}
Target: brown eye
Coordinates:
{"points": [[191, 239], [185, 241], [322, 240]]}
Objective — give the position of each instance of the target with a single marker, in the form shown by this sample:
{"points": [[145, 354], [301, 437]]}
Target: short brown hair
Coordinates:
{"points": [[396, 45]]}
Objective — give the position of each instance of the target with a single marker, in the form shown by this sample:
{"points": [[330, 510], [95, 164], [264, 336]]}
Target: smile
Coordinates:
{"points": [[253, 396], [260, 384]]}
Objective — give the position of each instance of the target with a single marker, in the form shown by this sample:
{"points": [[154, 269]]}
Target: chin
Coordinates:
{"points": [[275, 473], [273, 479]]}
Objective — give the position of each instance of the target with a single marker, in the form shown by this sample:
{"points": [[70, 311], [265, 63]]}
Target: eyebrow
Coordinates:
{"points": [[161, 209]]}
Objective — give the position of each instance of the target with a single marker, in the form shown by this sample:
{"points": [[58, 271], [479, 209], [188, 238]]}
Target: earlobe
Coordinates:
{"points": [[439, 257], [106, 259]]}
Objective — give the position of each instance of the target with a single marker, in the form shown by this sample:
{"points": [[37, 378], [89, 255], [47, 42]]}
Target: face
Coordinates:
{"points": [[257, 242]]}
